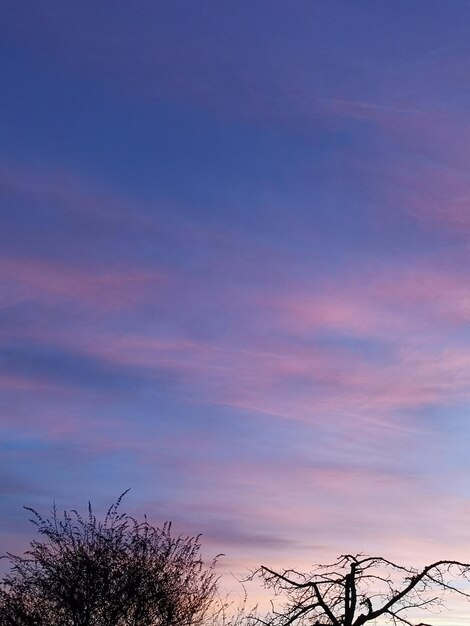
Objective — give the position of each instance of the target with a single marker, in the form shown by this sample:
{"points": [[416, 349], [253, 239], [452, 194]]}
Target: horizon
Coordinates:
{"points": [[235, 273]]}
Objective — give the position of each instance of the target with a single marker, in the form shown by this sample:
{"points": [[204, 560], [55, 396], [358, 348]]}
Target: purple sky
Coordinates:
{"points": [[234, 271]]}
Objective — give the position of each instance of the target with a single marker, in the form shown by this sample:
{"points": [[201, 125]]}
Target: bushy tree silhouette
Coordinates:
{"points": [[356, 590], [114, 572]]}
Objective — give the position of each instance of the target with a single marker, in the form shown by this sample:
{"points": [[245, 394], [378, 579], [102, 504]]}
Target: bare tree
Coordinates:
{"points": [[357, 590], [115, 572]]}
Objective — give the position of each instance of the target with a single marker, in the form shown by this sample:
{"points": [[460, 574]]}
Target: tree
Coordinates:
{"points": [[115, 572], [357, 590]]}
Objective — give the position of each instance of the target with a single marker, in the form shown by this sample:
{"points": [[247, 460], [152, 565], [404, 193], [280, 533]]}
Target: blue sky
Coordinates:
{"points": [[234, 271]]}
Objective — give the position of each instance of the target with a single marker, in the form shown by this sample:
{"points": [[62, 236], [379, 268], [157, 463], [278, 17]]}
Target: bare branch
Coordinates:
{"points": [[359, 589]]}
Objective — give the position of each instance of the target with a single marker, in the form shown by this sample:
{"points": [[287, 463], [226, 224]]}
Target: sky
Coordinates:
{"points": [[234, 272]]}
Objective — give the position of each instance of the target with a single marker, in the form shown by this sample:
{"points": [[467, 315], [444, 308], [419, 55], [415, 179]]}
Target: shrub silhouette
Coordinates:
{"points": [[114, 572]]}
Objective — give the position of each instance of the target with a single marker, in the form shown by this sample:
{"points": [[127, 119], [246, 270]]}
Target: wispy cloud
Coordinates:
{"points": [[33, 279]]}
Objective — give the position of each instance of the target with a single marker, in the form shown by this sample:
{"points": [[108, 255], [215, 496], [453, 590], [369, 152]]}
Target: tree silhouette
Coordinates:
{"points": [[115, 572], [357, 590]]}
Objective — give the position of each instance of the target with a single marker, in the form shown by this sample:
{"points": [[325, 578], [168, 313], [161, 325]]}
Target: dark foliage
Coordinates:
{"points": [[115, 572], [357, 590]]}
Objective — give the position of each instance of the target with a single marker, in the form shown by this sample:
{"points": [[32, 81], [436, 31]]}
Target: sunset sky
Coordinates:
{"points": [[235, 272]]}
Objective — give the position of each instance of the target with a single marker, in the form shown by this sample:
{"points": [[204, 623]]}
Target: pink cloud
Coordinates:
{"points": [[330, 384], [433, 193], [424, 178], [381, 302], [405, 312], [71, 192], [107, 290]]}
